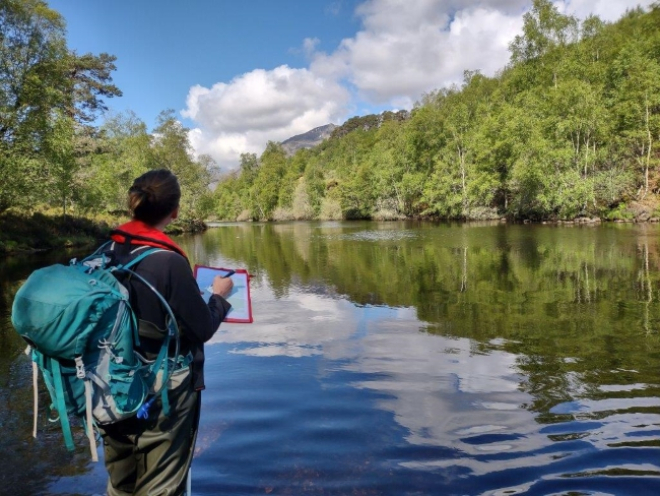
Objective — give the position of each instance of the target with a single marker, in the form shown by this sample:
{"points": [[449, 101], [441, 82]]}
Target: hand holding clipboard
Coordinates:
{"points": [[239, 290]]}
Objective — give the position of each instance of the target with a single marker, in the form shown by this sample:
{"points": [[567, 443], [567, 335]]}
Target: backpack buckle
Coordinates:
{"points": [[80, 368]]}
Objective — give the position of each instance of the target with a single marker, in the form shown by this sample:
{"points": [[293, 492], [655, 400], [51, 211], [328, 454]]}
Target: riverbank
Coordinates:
{"points": [[22, 233], [636, 212]]}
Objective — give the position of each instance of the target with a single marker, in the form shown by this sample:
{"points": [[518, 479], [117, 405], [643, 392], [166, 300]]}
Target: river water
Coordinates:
{"points": [[403, 359]]}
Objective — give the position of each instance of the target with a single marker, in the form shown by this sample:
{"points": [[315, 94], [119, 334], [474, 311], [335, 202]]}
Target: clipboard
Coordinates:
{"points": [[241, 304]]}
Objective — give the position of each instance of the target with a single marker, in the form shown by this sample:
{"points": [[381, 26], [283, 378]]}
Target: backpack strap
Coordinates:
{"points": [[162, 358], [89, 420], [35, 392], [35, 397], [157, 239], [162, 361], [58, 386], [89, 424], [139, 258]]}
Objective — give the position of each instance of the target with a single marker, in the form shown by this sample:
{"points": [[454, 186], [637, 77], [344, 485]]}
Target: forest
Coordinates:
{"points": [[56, 160], [568, 129]]}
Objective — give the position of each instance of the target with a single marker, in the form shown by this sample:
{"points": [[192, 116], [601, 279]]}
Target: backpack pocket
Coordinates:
{"points": [[118, 389], [177, 370]]}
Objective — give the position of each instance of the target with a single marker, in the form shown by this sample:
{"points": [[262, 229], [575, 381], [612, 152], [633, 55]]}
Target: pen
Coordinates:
{"points": [[229, 274]]}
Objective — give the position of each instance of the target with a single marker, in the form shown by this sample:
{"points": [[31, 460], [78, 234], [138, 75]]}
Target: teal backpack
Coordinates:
{"points": [[82, 334]]}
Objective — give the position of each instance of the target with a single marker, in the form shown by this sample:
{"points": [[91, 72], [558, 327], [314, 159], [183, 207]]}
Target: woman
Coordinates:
{"points": [[152, 456]]}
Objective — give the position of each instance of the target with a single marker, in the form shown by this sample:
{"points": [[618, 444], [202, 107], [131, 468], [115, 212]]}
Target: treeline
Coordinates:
{"points": [[53, 154], [569, 128]]}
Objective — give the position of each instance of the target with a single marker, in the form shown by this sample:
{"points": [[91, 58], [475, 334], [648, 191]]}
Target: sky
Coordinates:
{"points": [[241, 73]]}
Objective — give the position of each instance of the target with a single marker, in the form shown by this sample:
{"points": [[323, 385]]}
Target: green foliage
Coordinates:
{"points": [[38, 231], [171, 150], [32, 48], [59, 152], [32, 80], [123, 152], [21, 180], [228, 203], [544, 29], [266, 188], [47, 95], [569, 128], [89, 79], [621, 212], [123, 149], [301, 206]]}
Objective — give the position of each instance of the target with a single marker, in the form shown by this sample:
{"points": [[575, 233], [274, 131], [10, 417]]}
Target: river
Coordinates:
{"points": [[401, 359]]}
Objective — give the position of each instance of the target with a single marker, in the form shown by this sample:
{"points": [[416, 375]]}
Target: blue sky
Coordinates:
{"points": [[240, 73], [165, 47]]}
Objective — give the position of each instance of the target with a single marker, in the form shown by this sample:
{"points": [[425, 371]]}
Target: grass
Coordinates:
{"points": [[25, 233], [22, 232]]}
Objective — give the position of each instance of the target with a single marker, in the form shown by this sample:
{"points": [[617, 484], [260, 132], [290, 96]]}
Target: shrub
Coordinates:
{"points": [[330, 210]]}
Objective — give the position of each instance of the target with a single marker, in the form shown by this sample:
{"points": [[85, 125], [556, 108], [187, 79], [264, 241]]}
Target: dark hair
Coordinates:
{"points": [[154, 195]]}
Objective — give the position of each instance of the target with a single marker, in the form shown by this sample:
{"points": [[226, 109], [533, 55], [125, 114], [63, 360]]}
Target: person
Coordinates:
{"points": [[152, 456]]}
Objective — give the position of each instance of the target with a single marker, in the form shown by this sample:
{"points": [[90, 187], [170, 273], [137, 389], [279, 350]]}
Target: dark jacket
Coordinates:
{"points": [[170, 274]]}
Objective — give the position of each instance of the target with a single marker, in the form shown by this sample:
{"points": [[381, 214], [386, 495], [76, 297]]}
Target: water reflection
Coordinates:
{"points": [[517, 331], [410, 358]]}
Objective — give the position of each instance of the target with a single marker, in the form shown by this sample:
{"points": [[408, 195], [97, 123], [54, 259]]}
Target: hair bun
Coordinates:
{"points": [[143, 192], [154, 195], [148, 191]]}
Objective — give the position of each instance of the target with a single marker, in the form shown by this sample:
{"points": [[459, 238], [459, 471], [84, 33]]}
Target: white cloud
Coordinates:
{"points": [[309, 45], [608, 10], [333, 9], [428, 57], [403, 50], [242, 115]]}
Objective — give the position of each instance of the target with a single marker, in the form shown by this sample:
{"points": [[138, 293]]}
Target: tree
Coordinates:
{"points": [[171, 150], [249, 165], [32, 47], [227, 197], [123, 152], [635, 84], [265, 189], [89, 79], [41, 84], [59, 152], [544, 29]]}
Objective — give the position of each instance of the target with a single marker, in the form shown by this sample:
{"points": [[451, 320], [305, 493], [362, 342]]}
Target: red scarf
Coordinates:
{"points": [[139, 233]]}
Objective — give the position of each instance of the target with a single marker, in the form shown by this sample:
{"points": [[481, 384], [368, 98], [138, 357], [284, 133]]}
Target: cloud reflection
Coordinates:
{"points": [[443, 391]]}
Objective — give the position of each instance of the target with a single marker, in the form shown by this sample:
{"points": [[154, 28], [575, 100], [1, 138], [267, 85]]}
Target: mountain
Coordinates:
{"points": [[307, 140]]}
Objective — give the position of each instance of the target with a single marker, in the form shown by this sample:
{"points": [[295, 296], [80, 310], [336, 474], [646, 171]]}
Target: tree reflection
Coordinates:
{"points": [[574, 304]]}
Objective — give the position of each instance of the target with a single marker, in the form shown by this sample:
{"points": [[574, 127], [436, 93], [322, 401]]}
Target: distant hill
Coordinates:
{"points": [[308, 140]]}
